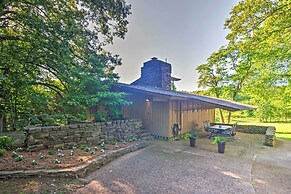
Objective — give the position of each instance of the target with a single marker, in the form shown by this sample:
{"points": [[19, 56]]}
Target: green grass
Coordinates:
{"points": [[283, 130], [284, 136]]}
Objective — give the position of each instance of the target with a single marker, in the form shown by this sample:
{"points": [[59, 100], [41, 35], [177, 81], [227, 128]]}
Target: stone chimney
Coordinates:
{"points": [[156, 73]]}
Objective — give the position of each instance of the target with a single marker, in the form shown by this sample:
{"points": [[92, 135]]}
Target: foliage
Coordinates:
{"points": [[19, 149], [56, 161], [6, 142], [219, 139], [192, 134], [52, 57], [86, 149], [60, 155], [51, 152], [256, 62], [19, 158], [2, 151], [34, 162], [14, 154], [225, 73]]}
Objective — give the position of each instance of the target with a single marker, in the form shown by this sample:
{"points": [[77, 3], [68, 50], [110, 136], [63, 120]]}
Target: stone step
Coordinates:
{"points": [[145, 134], [148, 138]]}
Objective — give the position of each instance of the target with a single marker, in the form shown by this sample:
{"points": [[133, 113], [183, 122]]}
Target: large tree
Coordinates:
{"points": [[262, 27], [225, 74], [58, 45], [259, 49]]}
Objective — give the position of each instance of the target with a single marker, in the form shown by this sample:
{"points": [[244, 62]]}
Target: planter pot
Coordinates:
{"points": [[192, 141], [221, 147]]}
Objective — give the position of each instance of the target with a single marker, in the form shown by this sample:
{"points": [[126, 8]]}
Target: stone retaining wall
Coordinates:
{"points": [[270, 136], [268, 131], [254, 129], [38, 138]]}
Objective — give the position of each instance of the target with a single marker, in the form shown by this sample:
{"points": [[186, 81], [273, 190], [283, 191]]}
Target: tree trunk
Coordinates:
{"points": [[221, 116], [1, 123], [228, 118]]}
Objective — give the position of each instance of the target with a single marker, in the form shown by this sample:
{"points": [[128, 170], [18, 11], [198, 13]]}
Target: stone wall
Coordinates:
{"points": [[270, 136], [268, 131], [254, 129], [38, 138]]}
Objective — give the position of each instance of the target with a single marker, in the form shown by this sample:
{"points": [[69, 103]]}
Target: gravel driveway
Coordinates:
{"points": [[174, 167]]}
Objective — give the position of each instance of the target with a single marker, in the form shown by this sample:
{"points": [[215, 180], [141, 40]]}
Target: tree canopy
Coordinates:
{"points": [[52, 55], [256, 61]]}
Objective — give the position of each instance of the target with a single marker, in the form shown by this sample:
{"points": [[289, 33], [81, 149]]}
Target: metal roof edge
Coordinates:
{"points": [[216, 101]]}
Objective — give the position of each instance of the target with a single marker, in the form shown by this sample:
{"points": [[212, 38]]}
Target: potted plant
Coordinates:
{"points": [[192, 136], [220, 141]]}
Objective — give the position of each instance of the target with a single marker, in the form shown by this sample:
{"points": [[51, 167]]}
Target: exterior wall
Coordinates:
{"points": [[154, 113], [189, 119], [38, 138], [158, 115]]}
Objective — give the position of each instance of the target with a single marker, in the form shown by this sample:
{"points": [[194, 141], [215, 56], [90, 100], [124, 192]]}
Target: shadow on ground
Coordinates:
{"points": [[173, 167]]}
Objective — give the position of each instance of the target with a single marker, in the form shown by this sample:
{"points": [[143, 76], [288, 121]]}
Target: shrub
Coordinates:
{"points": [[219, 139], [6, 142], [82, 147], [2, 151], [34, 162], [14, 154], [19, 158], [51, 152], [19, 149]]}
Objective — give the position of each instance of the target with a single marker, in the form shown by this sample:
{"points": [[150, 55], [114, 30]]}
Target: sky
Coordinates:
{"points": [[183, 32]]}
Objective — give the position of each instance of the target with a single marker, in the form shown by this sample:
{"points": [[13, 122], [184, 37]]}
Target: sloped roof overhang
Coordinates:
{"points": [[200, 102]]}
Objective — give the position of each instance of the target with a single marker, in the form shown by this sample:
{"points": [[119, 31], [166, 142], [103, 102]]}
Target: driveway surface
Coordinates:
{"points": [[174, 167]]}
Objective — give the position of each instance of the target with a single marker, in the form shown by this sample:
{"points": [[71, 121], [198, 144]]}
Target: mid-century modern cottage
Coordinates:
{"points": [[159, 107]]}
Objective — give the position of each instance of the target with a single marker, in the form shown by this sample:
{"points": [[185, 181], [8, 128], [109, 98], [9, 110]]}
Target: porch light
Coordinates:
{"points": [[147, 100]]}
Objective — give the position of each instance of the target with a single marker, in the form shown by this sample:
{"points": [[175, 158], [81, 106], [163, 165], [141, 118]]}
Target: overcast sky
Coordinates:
{"points": [[185, 32]]}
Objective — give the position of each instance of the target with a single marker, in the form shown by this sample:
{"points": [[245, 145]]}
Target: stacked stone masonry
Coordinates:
{"points": [[270, 136], [268, 131], [253, 129], [38, 138]]}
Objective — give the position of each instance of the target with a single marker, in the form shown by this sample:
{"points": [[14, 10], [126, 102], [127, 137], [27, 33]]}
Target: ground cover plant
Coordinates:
{"points": [[56, 158]]}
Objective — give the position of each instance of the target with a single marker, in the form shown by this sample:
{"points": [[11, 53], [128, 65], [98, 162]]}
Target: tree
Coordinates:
{"points": [[212, 75], [263, 29], [225, 73], [58, 45], [256, 61]]}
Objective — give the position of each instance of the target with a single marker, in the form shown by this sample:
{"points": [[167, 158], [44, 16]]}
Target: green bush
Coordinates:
{"points": [[6, 142], [2, 151], [51, 152]]}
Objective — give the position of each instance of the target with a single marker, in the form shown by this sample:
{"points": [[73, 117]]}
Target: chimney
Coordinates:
{"points": [[155, 73]]}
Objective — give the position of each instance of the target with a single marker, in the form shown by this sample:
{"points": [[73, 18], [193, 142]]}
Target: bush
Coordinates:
{"points": [[2, 151], [6, 142], [51, 152]]}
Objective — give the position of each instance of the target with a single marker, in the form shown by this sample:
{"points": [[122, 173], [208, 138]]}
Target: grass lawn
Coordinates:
{"points": [[283, 130]]}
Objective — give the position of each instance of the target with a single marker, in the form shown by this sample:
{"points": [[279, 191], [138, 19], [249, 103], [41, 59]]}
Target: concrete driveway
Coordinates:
{"points": [[174, 167]]}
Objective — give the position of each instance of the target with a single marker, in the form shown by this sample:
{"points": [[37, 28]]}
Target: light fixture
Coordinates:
{"points": [[147, 100]]}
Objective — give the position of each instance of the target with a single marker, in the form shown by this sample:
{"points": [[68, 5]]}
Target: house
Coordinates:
{"points": [[160, 108]]}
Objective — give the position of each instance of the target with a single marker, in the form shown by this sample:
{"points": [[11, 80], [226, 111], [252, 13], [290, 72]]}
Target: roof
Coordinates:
{"points": [[175, 79], [205, 100]]}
